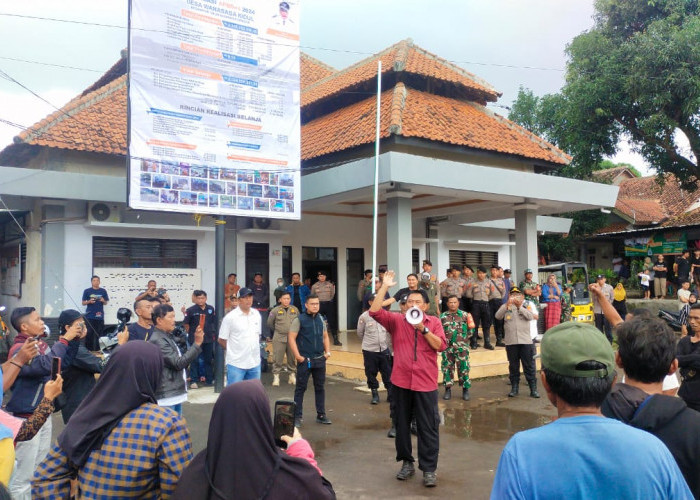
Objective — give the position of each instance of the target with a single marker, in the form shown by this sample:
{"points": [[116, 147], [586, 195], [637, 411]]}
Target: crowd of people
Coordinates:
{"points": [[139, 394]]}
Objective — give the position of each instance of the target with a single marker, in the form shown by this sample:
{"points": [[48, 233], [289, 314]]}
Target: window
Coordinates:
{"points": [[461, 258], [144, 252], [415, 260]]}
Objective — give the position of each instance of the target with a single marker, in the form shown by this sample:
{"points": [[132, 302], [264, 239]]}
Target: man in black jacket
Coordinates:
{"points": [[647, 354], [173, 388]]}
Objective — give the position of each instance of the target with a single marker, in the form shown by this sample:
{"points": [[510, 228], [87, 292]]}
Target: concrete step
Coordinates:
{"points": [[483, 363]]}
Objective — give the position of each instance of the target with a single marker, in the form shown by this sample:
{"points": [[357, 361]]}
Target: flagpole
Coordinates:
{"points": [[376, 175]]}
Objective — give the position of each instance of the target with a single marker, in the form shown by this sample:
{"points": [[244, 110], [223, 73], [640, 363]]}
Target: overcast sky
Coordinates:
{"points": [[509, 43]]}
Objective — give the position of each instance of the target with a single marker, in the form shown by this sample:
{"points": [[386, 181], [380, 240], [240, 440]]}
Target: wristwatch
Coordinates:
{"points": [[425, 330]]}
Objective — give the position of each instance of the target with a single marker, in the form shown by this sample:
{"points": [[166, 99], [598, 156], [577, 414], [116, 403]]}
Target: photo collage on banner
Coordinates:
{"points": [[214, 107]]}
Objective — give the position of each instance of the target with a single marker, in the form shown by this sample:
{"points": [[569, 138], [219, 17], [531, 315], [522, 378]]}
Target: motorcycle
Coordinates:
{"points": [[672, 319]]}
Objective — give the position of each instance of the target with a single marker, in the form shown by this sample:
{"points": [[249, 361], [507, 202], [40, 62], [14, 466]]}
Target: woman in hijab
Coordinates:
{"points": [[241, 460], [620, 300], [119, 443]]}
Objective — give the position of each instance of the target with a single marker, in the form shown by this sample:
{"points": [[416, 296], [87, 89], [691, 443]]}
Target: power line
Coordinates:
{"points": [[308, 47], [41, 63]]}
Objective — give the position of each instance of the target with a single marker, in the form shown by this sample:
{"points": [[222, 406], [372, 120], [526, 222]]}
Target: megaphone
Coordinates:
{"points": [[414, 315]]}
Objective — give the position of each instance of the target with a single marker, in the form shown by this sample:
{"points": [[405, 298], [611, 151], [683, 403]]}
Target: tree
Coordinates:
{"points": [[636, 74]]}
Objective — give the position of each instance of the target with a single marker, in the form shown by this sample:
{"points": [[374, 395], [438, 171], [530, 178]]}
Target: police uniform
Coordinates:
{"points": [[466, 300], [448, 287], [325, 290], [279, 321], [458, 327], [519, 345], [495, 301], [480, 291]]}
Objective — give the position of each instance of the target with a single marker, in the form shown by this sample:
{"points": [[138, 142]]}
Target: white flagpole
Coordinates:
{"points": [[376, 175]]}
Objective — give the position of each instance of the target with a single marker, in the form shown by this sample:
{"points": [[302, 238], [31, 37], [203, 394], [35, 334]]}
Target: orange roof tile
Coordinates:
{"points": [[609, 174], [641, 211], [403, 57], [412, 113], [312, 70], [94, 122], [615, 227]]}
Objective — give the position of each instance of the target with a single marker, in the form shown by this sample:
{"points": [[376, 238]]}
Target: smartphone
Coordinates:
{"points": [[55, 368], [283, 423], [202, 319]]}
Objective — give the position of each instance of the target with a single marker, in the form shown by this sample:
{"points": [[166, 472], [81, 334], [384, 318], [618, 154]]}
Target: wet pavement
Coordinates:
{"points": [[358, 458]]}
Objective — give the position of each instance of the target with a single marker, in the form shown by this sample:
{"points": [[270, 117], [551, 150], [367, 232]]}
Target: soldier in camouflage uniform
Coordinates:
{"points": [[530, 288], [458, 326], [566, 303]]}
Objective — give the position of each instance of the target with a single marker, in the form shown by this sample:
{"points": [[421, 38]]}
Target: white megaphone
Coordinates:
{"points": [[414, 315]]}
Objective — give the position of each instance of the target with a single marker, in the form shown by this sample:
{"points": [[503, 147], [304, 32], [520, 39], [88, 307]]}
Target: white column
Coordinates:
{"points": [[525, 240], [399, 238]]}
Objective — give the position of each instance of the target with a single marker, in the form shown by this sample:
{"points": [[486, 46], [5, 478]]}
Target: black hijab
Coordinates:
{"points": [[241, 459], [129, 380]]}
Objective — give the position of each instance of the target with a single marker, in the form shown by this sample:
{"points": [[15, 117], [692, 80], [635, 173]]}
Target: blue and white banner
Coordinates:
{"points": [[214, 107]]}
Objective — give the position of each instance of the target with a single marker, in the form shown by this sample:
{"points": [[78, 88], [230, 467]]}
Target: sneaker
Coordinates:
{"points": [[429, 479], [292, 379], [275, 380], [407, 470], [194, 385], [322, 419]]}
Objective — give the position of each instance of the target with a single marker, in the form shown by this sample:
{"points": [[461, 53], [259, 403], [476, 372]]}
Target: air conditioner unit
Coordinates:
{"points": [[104, 212]]}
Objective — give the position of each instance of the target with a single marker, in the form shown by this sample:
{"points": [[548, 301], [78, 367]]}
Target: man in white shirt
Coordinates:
{"points": [[239, 336]]}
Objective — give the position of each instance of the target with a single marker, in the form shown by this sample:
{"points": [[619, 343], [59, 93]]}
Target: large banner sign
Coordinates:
{"points": [[214, 107], [659, 243]]}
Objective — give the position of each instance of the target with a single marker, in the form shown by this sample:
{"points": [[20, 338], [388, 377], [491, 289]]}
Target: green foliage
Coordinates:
{"points": [[610, 277], [635, 76]]}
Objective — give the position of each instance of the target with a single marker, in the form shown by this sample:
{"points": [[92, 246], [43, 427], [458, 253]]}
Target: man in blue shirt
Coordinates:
{"points": [[95, 299], [583, 455]]}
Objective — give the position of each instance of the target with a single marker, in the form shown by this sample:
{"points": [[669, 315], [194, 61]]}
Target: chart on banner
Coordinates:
{"points": [[214, 107]]}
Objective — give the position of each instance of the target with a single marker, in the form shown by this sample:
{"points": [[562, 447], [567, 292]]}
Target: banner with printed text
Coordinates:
{"points": [[214, 107]]}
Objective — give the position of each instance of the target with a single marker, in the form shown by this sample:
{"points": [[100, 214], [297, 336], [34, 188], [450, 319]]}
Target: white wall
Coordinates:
{"points": [[78, 256], [450, 233]]}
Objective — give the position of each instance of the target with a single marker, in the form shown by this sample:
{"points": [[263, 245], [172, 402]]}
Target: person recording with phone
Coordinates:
{"points": [[28, 390], [79, 377], [414, 378], [172, 391], [242, 460]]}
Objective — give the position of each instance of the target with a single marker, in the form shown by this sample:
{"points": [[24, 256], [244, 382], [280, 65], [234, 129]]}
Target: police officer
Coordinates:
{"points": [[519, 345], [458, 325], [495, 301], [279, 321], [480, 291], [325, 291]]}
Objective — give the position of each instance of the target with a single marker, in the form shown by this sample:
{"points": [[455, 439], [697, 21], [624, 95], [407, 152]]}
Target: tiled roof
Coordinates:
{"points": [[412, 113], [312, 70], [404, 57], [609, 174], [94, 122], [615, 227], [690, 218], [641, 211]]}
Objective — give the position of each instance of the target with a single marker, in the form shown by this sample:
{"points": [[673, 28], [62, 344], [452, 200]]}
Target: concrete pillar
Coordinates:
{"points": [[525, 240], [53, 250], [399, 238]]}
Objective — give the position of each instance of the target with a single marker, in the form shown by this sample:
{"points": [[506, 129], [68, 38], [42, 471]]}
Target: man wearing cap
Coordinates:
{"points": [[279, 321], [282, 19], [466, 282], [508, 284], [581, 454], [414, 380], [530, 288], [458, 326], [518, 339], [239, 336], [325, 291], [428, 268], [480, 291], [433, 294], [449, 286], [495, 301], [601, 323], [647, 354]]}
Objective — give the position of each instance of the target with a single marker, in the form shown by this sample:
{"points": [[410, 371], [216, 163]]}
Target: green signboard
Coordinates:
{"points": [[659, 243]]}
